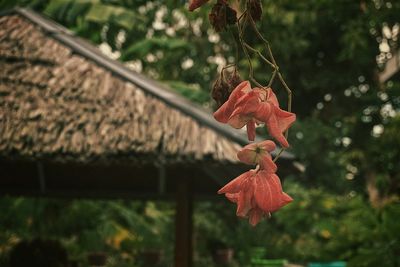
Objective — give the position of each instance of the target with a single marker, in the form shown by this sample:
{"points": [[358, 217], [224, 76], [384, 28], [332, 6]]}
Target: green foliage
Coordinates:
{"points": [[117, 227], [191, 91], [327, 51], [146, 46], [317, 227], [67, 11]]}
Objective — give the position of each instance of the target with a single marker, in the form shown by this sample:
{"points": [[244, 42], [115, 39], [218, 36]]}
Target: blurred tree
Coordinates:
{"points": [[121, 228], [330, 52]]}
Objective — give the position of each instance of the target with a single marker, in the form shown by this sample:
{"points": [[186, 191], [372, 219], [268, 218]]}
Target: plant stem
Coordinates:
{"points": [[275, 72], [243, 21]]}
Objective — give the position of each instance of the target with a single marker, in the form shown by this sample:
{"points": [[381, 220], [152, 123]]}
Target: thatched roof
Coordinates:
{"points": [[62, 104], [62, 101]]}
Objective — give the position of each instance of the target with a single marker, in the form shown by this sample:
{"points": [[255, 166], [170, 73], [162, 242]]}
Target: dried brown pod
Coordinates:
{"points": [[222, 15], [234, 79], [224, 85], [255, 7], [221, 91]]}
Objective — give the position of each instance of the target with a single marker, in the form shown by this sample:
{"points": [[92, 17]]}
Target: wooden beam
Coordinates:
{"points": [[183, 223]]}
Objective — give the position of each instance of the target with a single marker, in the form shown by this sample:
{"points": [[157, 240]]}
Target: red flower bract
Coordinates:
{"points": [[256, 193], [249, 107], [193, 4], [259, 153], [226, 110]]}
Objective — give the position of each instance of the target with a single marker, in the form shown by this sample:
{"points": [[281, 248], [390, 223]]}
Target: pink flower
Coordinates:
{"points": [[223, 114], [246, 106], [259, 153], [279, 120], [193, 4], [256, 193], [244, 113]]}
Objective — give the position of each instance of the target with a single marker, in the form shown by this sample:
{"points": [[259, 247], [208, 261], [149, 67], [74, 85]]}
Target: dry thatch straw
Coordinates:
{"points": [[58, 104]]}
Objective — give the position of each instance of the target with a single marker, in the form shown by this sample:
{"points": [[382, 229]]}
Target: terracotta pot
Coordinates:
{"points": [[97, 258], [223, 255]]}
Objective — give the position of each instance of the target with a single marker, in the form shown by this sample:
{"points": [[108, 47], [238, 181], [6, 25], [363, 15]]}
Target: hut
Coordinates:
{"points": [[75, 123]]}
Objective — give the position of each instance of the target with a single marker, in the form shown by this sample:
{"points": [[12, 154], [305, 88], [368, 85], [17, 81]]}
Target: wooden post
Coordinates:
{"points": [[183, 223]]}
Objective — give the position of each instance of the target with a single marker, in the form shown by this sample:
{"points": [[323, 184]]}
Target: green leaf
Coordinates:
{"points": [[102, 13], [190, 91], [68, 11], [145, 46]]}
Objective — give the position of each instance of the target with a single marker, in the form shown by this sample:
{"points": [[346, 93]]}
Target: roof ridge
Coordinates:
{"points": [[156, 89]]}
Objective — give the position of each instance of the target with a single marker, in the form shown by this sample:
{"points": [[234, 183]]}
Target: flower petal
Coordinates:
{"points": [[193, 4], [245, 107], [239, 120], [244, 199], [285, 199], [267, 164], [251, 130], [268, 192], [268, 145], [279, 120], [255, 216], [248, 154], [275, 131], [232, 197], [250, 98], [263, 111], [265, 192], [271, 97], [236, 185], [285, 119], [225, 111], [258, 153]]}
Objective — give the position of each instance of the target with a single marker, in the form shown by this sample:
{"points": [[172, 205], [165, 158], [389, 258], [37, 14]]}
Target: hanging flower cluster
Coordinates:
{"points": [[246, 106], [257, 192]]}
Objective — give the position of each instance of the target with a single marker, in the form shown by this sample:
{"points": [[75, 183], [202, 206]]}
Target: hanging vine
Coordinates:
{"points": [[257, 192]]}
